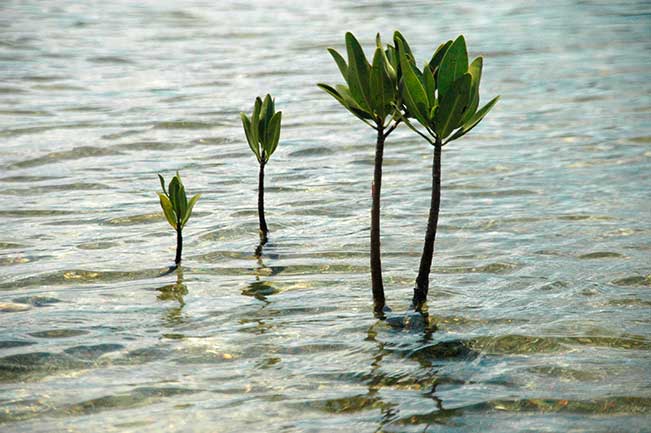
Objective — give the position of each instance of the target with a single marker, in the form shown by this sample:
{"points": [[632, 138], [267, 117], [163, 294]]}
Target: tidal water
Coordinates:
{"points": [[541, 284]]}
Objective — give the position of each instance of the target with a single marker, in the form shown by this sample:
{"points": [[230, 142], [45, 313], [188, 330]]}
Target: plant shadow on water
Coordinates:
{"points": [[260, 289], [174, 292], [413, 336]]}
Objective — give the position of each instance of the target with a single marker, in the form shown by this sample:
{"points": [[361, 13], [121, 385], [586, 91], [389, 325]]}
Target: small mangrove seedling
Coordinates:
{"points": [[262, 132], [177, 209], [443, 98], [372, 95]]}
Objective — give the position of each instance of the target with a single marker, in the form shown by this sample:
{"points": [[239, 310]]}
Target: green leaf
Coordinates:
{"points": [[430, 85], [394, 60], [255, 120], [332, 92], [478, 116], [377, 80], [343, 96], [246, 124], [358, 72], [188, 211], [453, 65], [389, 68], [173, 189], [168, 210], [403, 46], [475, 71], [435, 62], [183, 201], [162, 183], [276, 120], [349, 100], [451, 106], [413, 92], [264, 120], [270, 134], [341, 63]]}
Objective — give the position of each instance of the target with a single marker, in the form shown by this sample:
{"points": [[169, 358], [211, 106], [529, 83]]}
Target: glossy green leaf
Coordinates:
{"points": [[344, 99], [403, 46], [168, 210], [270, 133], [475, 71], [377, 79], [389, 68], [430, 85], [358, 72], [394, 59], [343, 96], [413, 92], [173, 188], [188, 211], [435, 61], [349, 101], [452, 105], [453, 65], [276, 121], [183, 201], [162, 183], [264, 108], [246, 124], [332, 92], [341, 63], [255, 120], [476, 118], [267, 111]]}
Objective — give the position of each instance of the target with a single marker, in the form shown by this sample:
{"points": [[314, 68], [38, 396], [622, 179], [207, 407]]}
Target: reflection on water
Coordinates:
{"points": [[538, 312], [174, 292]]}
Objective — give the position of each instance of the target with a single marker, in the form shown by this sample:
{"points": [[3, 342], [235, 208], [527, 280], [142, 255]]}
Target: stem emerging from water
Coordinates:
{"points": [[422, 281], [179, 243], [376, 262], [263, 222]]}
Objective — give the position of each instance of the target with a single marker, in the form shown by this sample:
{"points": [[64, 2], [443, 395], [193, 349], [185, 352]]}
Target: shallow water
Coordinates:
{"points": [[541, 285]]}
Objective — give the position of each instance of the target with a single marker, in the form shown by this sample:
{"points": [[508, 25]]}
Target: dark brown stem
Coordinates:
{"points": [[376, 262], [179, 243], [263, 223], [422, 281]]}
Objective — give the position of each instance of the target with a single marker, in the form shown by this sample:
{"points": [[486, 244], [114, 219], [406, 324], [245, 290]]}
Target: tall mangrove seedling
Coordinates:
{"points": [[443, 98], [177, 209], [262, 131], [372, 95]]}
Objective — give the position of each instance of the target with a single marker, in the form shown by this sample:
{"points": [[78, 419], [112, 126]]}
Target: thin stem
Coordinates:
{"points": [[394, 126], [179, 243], [413, 128], [376, 262], [263, 222], [422, 281]]}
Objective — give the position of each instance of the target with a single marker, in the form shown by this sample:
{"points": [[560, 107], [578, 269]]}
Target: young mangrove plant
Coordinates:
{"points": [[177, 209], [262, 132], [372, 95], [444, 100]]}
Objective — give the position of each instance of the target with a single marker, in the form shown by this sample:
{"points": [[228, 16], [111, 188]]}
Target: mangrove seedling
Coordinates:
{"points": [[372, 95], [444, 100], [262, 132], [177, 209]]}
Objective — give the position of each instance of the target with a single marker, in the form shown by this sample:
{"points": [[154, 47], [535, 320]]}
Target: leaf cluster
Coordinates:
{"points": [[444, 96], [175, 204], [262, 128], [371, 93]]}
